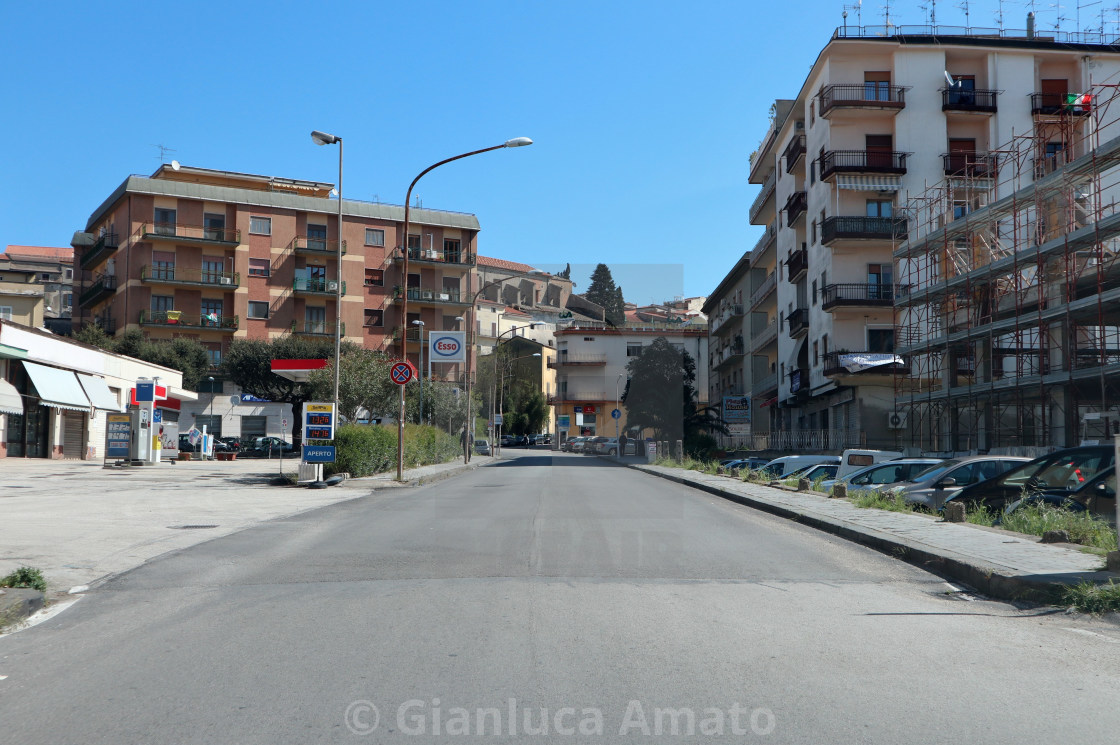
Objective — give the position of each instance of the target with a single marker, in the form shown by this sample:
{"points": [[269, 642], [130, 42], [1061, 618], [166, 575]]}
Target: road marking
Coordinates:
{"points": [[1086, 632], [3, 677]]}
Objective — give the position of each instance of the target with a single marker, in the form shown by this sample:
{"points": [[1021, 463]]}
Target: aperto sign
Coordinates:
{"points": [[447, 346]]}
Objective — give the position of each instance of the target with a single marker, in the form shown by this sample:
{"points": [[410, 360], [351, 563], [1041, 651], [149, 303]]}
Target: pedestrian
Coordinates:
{"points": [[622, 445]]}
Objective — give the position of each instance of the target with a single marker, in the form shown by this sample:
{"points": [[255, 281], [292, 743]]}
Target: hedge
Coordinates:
{"points": [[363, 450]]}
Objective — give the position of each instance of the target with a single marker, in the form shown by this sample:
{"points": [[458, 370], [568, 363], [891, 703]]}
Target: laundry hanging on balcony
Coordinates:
{"points": [[861, 361]]}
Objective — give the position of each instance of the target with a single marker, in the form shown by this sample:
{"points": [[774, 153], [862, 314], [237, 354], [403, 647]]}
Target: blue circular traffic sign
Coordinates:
{"points": [[401, 373], [616, 414]]}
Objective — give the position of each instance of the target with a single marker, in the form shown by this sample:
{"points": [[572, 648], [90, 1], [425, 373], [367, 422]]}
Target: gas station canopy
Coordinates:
{"points": [[298, 371]]}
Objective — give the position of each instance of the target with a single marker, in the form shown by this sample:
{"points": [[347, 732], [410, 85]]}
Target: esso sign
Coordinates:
{"points": [[446, 346]]}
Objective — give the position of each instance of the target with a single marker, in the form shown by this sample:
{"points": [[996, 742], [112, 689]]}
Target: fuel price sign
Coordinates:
{"points": [[318, 421]]}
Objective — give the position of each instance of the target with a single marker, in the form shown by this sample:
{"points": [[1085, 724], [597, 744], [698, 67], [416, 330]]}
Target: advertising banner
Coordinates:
{"points": [[736, 409]]}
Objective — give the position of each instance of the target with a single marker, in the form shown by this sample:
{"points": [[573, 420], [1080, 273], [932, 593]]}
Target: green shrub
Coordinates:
{"points": [[1090, 598], [1083, 528], [981, 515], [363, 450], [881, 501], [25, 577]]}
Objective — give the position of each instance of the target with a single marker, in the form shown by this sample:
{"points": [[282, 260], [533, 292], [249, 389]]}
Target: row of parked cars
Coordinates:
{"points": [[597, 446], [1081, 479], [255, 447]]}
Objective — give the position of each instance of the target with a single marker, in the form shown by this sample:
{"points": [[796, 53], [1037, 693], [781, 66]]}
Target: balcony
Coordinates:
{"points": [[867, 96], [764, 335], [764, 290], [797, 264], [431, 297], [793, 152], [859, 295], [731, 352], [578, 360], [1059, 104], [315, 247], [317, 286], [315, 328], [179, 320], [435, 256], [104, 286], [180, 233], [762, 199], [762, 248], [795, 207], [729, 312], [798, 322], [799, 383], [172, 275], [865, 364], [975, 165], [764, 385], [977, 101], [862, 161], [101, 249], [414, 335], [863, 228]]}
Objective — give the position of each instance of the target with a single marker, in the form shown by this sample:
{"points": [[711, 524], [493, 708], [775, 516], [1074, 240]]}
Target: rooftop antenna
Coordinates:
{"points": [[886, 7], [1058, 17], [999, 14], [931, 7], [1081, 5], [858, 8], [963, 5], [163, 151]]}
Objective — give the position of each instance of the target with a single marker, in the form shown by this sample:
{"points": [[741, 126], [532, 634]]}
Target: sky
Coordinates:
{"points": [[643, 114]]}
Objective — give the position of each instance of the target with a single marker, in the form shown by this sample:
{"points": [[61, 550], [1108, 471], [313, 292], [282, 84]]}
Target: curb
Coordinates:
{"points": [[988, 580], [16, 604]]}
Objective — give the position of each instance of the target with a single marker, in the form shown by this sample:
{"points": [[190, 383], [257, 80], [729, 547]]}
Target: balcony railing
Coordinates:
{"points": [[863, 228], [869, 95], [730, 352], [315, 246], [764, 289], [768, 187], [859, 295], [763, 335], [729, 312], [795, 207], [977, 165], [793, 152], [101, 249], [315, 328], [764, 384], [103, 286], [317, 286], [953, 99], [172, 275], [838, 363], [811, 439], [862, 161], [578, 360], [436, 297], [797, 263], [1059, 104], [798, 322], [799, 383], [177, 231], [578, 396], [436, 256], [763, 244], [178, 319]]}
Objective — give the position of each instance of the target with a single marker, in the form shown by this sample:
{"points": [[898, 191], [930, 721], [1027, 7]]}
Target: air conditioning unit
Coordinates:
{"points": [[444, 296], [226, 280], [798, 126], [332, 285], [426, 295], [897, 419]]}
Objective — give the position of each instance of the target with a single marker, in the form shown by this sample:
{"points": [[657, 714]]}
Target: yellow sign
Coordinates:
{"points": [[328, 408]]}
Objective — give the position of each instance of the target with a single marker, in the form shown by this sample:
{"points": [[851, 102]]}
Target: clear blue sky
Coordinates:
{"points": [[643, 113]]}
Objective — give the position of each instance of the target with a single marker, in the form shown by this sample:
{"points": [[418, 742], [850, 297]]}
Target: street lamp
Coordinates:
{"points": [[502, 396], [515, 142], [616, 382], [322, 138], [211, 379], [421, 371]]}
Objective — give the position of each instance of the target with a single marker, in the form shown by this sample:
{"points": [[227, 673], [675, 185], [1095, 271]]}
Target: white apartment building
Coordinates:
{"points": [[591, 360], [878, 118]]}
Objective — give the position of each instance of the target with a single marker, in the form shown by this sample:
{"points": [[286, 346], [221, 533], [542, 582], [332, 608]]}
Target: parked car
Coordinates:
{"points": [[575, 445], [1062, 471], [1096, 497], [852, 460], [231, 444], [780, 467], [881, 474], [819, 471], [507, 441], [270, 446], [606, 446], [481, 447], [591, 447], [933, 486], [741, 463]]}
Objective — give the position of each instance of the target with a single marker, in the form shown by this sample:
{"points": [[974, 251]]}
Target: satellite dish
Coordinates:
{"points": [[235, 400], [175, 165]]}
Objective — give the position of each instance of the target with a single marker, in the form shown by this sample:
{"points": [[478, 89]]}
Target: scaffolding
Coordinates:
{"points": [[1009, 308]]}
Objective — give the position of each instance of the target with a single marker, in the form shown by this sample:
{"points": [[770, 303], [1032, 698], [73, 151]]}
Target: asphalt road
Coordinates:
{"points": [[603, 604]]}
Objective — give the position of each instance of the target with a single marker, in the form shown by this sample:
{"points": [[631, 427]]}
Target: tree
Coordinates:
{"points": [[603, 292], [188, 356], [660, 395], [248, 363], [363, 384], [567, 273]]}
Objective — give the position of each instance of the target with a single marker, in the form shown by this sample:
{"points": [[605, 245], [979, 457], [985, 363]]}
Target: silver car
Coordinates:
{"points": [[933, 486], [880, 474]]}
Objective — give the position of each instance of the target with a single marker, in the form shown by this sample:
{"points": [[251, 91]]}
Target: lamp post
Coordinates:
{"points": [[616, 382], [211, 379], [322, 138], [515, 142], [420, 373], [502, 392]]}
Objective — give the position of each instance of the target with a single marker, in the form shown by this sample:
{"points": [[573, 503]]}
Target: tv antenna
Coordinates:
{"points": [[930, 7], [886, 8], [999, 14], [163, 151], [1058, 17], [1081, 5], [963, 5], [858, 8]]}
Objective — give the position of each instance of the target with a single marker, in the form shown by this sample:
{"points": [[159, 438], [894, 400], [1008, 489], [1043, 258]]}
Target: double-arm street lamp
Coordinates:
{"points": [[322, 138], [515, 142]]}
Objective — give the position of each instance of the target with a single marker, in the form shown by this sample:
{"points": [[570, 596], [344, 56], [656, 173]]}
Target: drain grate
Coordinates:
{"points": [[191, 527]]}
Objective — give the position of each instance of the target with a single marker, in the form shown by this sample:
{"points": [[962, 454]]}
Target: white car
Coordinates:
{"points": [[780, 467]]}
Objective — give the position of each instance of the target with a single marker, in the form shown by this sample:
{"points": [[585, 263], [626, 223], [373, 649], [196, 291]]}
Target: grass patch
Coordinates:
{"points": [[1082, 527], [1089, 598], [25, 577], [871, 499], [981, 515]]}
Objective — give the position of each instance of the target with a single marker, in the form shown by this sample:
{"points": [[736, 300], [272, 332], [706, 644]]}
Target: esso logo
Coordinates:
{"points": [[446, 346]]}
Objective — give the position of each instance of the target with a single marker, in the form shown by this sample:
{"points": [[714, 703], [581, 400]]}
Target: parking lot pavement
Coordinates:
{"points": [[80, 522]]}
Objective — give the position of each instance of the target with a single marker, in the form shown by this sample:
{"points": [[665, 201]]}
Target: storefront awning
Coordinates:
{"points": [[57, 388], [10, 400], [98, 392], [869, 183]]}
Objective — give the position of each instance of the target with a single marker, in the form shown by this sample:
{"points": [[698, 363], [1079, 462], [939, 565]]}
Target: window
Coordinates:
{"points": [[877, 86], [814, 296], [317, 237], [880, 274], [5, 312], [211, 312], [375, 237], [162, 303], [214, 351], [413, 280], [414, 242], [375, 317], [880, 341], [164, 220], [45, 277], [260, 225], [633, 349], [452, 252], [213, 270], [824, 345], [814, 232], [816, 357], [315, 320], [375, 277], [812, 113], [879, 207], [69, 274], [67, 300], [258, 309], [214, 227], [259, 268], [163, 264]]}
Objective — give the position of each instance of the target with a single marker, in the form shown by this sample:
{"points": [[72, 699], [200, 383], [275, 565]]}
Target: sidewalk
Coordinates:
{"points": [[997, 563], [80, 522]]}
